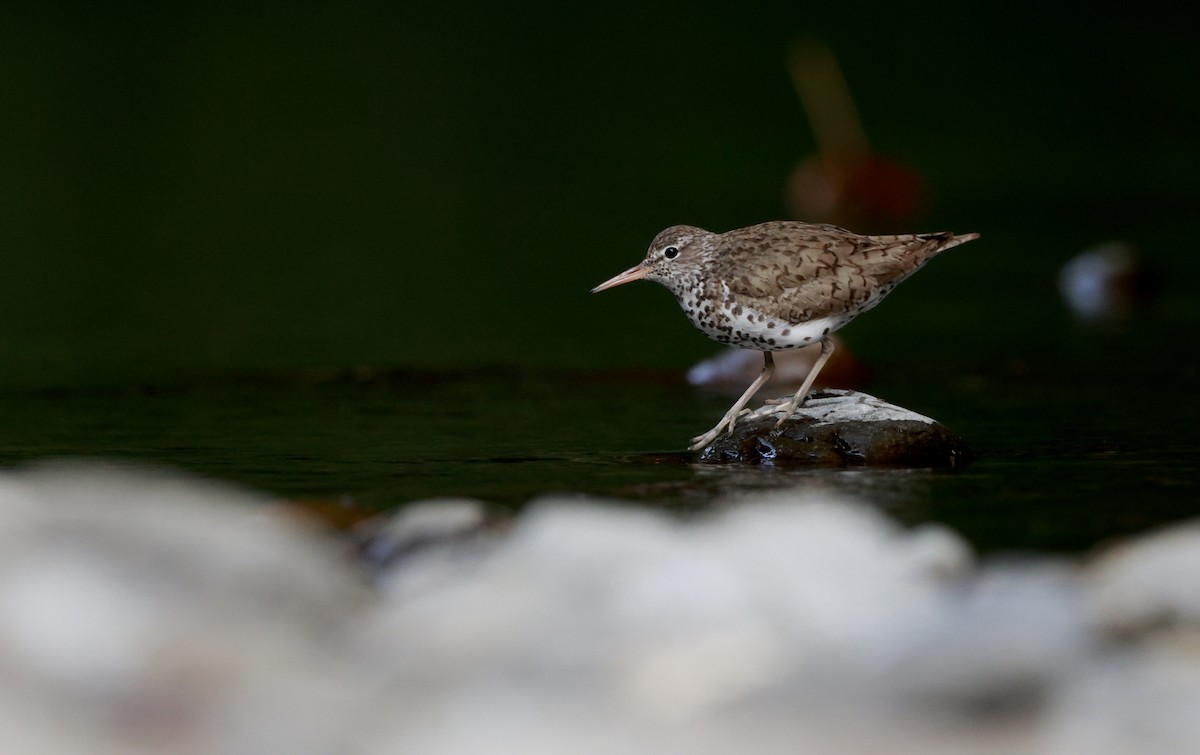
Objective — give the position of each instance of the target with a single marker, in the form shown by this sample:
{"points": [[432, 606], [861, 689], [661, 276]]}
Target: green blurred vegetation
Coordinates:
{"points": [[189, 190]]}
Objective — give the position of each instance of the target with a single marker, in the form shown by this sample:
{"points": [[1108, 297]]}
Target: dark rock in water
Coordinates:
{"points": [[837, 428]]}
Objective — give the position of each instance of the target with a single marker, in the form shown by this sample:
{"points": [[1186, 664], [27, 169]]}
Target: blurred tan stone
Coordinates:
{"points": [[731, 370]]}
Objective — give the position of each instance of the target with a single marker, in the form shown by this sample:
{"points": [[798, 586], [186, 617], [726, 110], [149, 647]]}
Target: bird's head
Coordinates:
{"points": [[673, 254]]}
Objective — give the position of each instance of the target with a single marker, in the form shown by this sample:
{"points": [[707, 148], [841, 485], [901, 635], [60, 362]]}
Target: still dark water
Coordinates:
{"points": [[1095, 442], [218, 193]]}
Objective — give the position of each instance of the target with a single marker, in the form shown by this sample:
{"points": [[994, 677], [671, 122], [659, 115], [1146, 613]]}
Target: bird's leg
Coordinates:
{"points": [[787, 409], [735, 411]]}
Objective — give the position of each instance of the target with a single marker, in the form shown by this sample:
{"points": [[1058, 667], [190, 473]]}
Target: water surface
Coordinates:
{"points": [[1067, 457]]}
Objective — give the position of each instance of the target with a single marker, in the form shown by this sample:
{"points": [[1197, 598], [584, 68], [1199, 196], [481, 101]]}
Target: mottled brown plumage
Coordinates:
{"points": [[779, 285]]}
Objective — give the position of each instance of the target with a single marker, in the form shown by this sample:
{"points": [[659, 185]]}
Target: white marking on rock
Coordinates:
{"points": [[834, 406]]}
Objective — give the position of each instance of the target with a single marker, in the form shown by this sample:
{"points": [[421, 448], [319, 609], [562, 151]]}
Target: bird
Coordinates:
{"points": [[779, 285]]}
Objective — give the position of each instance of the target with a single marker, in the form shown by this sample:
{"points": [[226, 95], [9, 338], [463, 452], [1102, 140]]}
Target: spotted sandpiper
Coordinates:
{"points": [[779, 285]]}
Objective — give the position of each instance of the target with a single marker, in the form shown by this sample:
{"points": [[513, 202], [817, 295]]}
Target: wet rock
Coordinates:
{"points": [[840, 428]]}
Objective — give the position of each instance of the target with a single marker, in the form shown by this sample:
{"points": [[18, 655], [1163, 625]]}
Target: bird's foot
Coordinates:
{"points": [[787, 407], [700, 441], [724, 426]]}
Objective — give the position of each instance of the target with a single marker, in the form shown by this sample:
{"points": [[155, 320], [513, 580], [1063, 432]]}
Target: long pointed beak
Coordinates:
{"points": [[635, 273]]}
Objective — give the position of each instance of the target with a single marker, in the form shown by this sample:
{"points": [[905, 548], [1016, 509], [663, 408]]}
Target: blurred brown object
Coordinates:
{"points": [[845, 183], [731, 369], [340, 513]]}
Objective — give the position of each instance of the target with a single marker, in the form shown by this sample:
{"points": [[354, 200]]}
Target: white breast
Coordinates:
{"points": [[756, 330]]}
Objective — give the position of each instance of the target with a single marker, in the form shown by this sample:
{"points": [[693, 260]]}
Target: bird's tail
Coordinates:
{"points": [[949, 240]]}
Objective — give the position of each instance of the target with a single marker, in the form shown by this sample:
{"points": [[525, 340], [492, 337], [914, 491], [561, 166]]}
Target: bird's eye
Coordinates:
{"points": [[671, 252]]}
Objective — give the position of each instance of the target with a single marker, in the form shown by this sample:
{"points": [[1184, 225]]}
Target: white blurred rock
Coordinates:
{"points": [[669, 622], [782, 620], [425, 545], [1135, 699], [1148, 582], [1003, 642], [1107, 282], [147, 611]]}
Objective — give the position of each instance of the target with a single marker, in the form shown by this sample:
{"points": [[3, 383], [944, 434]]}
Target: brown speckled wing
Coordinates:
{"points": [[802, 271]]}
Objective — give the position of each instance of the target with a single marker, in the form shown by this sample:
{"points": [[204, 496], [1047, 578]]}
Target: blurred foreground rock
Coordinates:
{"points": [[142, 612], [837, 428]]}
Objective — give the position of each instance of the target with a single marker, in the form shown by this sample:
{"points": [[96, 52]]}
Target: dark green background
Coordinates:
{"points": [[190, 191]]}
